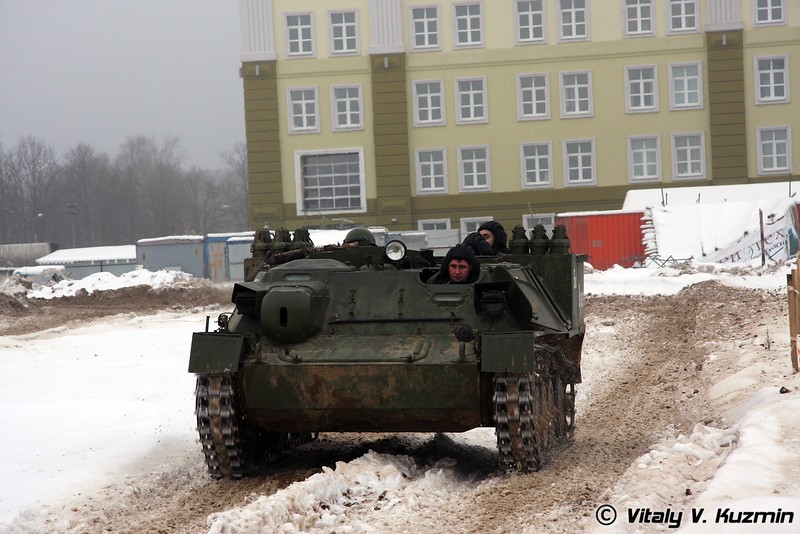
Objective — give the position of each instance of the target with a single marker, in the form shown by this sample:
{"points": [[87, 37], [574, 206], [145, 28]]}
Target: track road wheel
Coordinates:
{"points": [[513, 404], [217, 425]]}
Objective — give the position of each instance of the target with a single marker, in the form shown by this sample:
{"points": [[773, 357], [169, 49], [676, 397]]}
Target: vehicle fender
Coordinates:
{"points": [[511, 352], [215, 352]]}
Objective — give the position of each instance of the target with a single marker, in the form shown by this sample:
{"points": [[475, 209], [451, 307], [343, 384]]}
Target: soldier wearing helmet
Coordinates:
{"points": [[359, 237]]}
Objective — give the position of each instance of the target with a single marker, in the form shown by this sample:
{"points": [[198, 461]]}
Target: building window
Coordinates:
{"points": [[641, 89], [772, 80], [428, 225], [471, 224], [535, 164], [644, 160], [573, 15], [638, 17], [303, 110], [769, 12], [576, 94], [686, 86], [688, 156], [533, 95], [471, 100], [346, 107], [299, 35], [579, 162], [428, 103], [330, 182], [530, 21], [548, 220], [682, 15], [469, 25], [425, 28], [432, 171], [344, 32], [473, 163], [773, 150]]}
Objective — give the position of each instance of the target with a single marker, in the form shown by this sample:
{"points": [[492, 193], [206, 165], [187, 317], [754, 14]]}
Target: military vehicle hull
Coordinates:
{"points": [[349, 340]]}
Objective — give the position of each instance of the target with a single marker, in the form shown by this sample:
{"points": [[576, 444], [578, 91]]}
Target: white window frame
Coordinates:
{"points": [[288, 40], [526, 221], [526, 184], [465, 222], [683, 17], [300, 186], [563, 91], [629, 94], [568, 8], [640, 17], [344, 25], [542, 13], [673, 104], [427, 47], [757, 79], [418, 121], [676, 160], [422, 222], [336, 125], [647, 151], [566, 162], [470, 19], [291, 114], [762, 170], [418, 165], [759, 7], [472, 119], [521, 93], [462, 185]]}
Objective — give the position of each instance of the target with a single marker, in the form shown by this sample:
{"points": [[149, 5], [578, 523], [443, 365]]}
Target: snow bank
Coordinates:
{"points": [[378, 486], [108, 281]]}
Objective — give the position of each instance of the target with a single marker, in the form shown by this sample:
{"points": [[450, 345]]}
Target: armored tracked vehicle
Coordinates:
{"points": [[354, 338]]}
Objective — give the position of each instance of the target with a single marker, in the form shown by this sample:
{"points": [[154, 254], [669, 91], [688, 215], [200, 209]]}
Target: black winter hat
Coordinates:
{"points": [[499, 233], [461, 252]]}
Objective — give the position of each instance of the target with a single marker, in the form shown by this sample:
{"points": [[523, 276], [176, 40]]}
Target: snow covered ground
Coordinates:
{"points": [[104, 403]]}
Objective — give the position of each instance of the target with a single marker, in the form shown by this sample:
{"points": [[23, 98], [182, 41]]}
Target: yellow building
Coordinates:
{"points": [[442, 114]]}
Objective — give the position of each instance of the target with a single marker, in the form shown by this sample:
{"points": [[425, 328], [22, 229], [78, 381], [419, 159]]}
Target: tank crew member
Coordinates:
{"points": [[359, 237], [489, 240], [459, 266]]}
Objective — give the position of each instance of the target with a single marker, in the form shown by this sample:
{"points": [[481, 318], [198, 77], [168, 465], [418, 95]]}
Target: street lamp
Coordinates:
{"points": [[72, 209], [36, 227]]}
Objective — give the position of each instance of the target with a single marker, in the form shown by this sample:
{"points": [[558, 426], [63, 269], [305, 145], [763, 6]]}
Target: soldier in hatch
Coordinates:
{"points": [[459, 266]]}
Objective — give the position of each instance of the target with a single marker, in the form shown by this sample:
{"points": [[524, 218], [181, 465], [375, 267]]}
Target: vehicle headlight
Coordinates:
{"points": [[395, 250]]}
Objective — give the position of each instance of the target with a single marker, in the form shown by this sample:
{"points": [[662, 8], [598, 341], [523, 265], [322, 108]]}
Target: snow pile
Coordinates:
{"points": [[15, 286], [379, 486], [670, 280], [107, 281]]}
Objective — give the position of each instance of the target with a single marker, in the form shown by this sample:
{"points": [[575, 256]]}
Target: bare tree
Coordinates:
{"points": [[147, 177], [90, 200], [83, 177], [31, 168], [203, 195], [235, 189]]}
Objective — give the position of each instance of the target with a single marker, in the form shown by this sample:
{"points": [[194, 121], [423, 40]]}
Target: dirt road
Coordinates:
{"points": [[644, 370]]}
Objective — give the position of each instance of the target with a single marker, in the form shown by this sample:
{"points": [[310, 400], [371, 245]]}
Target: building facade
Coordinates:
{"points": [[415, 114]]}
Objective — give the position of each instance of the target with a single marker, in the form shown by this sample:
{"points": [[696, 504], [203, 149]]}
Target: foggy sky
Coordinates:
{"points": [[100, 71]]}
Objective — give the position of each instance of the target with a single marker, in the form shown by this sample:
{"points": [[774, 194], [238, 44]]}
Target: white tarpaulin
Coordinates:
{"points": [[725, 232]]}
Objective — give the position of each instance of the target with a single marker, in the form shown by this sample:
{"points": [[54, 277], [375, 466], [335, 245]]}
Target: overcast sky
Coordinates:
{"points": [[100, 71]]}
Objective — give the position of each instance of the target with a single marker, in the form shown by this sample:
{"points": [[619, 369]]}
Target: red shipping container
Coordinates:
{"points": [[608, 237]]}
